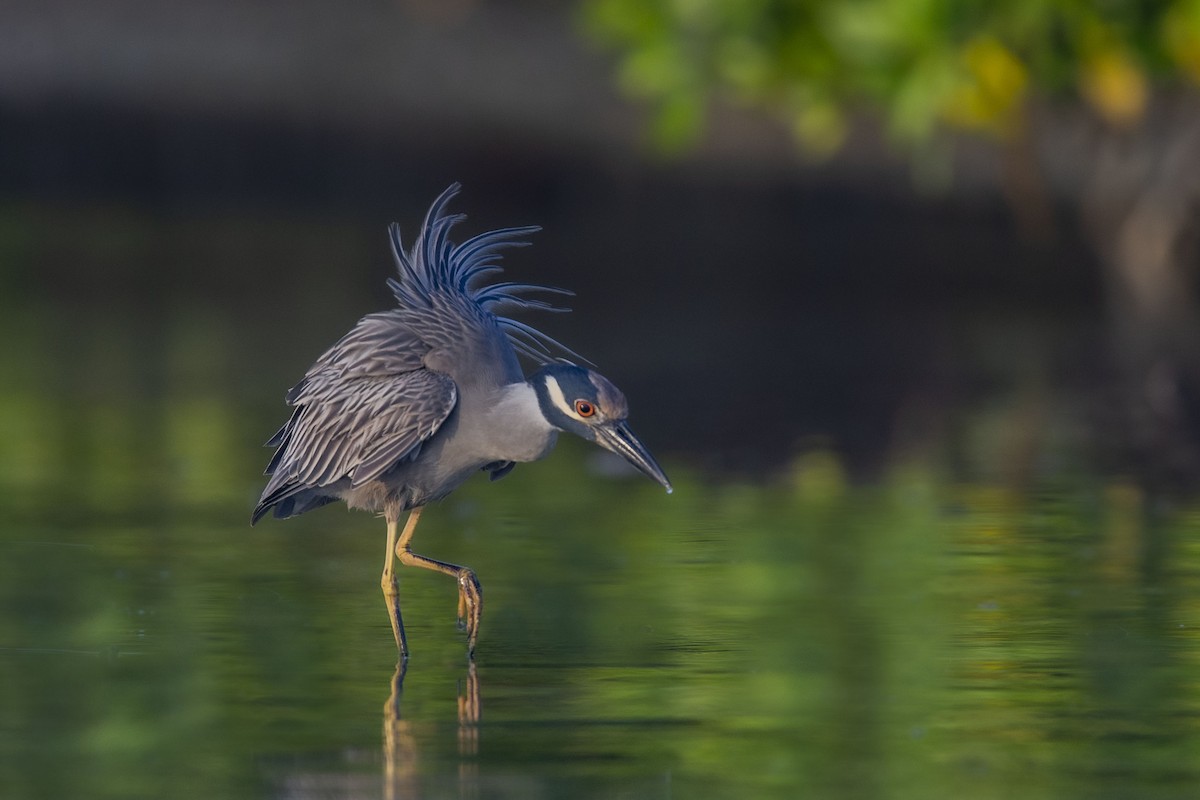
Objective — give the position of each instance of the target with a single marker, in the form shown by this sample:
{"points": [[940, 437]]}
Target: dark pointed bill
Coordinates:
{"points": [[617, 437]]}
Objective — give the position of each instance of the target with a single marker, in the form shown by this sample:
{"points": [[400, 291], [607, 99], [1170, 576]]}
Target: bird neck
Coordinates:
{"points": [[517, 425]]}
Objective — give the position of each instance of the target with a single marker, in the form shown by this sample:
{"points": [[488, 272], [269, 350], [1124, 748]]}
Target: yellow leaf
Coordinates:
{"points": [[820, 127], [989, 94], [1114, 85], [998, 72]]}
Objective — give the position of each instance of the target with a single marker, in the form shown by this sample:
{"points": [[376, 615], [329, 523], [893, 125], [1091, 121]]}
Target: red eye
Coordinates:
{"points": [[584, 409]]}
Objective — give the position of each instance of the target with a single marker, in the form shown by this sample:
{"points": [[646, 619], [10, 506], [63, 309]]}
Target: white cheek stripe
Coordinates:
{"points": [[559, 399]]}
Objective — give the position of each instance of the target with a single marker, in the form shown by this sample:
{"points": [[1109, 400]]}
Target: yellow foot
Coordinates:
{"points": [[470, 607]]}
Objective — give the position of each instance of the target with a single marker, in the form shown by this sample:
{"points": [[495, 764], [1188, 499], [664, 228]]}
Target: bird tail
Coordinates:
{"points": [[291, 505]]}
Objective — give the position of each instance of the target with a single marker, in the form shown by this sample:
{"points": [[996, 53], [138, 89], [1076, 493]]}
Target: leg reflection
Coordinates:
{"points": [[468, 714], [399, 744], [400, 756], [468, 735]]}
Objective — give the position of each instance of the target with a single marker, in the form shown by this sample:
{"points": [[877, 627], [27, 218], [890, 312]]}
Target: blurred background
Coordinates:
{"points": [[871, 227], [903, 294]]}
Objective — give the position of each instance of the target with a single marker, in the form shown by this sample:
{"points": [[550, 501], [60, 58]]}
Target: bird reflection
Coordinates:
{"points": [[401, 757]]}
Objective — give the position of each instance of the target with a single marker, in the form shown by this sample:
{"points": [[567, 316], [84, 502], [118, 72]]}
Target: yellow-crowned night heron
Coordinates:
{"points": [[413, 401]]}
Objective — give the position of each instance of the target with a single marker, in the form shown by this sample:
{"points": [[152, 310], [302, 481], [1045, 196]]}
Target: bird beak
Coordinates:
{"points": [[617, 437]]}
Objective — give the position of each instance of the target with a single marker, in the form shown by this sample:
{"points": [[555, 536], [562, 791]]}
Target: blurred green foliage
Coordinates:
{"points": [[922, 63]]}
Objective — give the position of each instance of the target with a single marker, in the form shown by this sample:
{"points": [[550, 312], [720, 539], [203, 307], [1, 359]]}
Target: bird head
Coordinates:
{"points": [[585, 403]]}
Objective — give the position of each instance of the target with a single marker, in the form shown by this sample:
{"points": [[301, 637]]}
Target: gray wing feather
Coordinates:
{"points": [[379, 345], [360, 428], [367, 404]]}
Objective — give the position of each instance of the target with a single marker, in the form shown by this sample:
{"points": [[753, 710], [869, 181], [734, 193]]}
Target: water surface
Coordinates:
{"points": [[911, 639]]}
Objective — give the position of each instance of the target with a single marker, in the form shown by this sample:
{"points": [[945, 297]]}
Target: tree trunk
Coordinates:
{"points": [[1140, 208]]}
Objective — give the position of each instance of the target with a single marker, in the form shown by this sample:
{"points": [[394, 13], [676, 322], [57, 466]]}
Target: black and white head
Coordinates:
{"points": [[585, 403]]}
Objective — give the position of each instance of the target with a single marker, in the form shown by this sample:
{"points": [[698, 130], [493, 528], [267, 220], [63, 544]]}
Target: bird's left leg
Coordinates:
{"points": [[470, 593], [391, 592]]}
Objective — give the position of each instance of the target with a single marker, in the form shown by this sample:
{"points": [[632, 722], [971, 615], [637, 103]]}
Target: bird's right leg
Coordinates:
{"points": [[470, 593], [391, 592]]}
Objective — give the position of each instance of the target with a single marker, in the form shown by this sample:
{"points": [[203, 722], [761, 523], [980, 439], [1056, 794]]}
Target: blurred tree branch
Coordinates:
{"points": [[1002, 71]]}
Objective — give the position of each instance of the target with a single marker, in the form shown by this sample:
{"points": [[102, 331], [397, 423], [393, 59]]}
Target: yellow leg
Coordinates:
{"points": [[470, 593], [391, 593]]}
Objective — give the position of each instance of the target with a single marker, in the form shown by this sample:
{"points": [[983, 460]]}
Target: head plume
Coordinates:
{"points": [[436, 265]]}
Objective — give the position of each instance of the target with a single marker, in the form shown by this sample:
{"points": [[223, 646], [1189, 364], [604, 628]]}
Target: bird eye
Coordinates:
{"points": [[584, 409]]}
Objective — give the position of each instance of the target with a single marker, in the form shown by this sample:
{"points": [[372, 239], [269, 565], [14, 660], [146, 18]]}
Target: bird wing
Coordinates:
{"points": [[366, 404], [362, 427], [380, 345], [358, 429]]}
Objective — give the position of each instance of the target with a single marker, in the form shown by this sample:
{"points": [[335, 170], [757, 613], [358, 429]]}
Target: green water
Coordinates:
{"points": [[917, 635], [911, 639]]}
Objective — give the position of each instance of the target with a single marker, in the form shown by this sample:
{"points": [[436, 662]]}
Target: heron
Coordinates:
{"points": [[415, 400]]}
